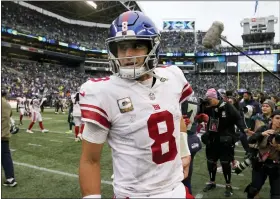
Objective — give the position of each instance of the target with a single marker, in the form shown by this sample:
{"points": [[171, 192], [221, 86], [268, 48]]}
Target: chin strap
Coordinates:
{"points": [[162, 79]]}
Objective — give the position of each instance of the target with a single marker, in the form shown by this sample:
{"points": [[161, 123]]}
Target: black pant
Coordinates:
{"points": [[57, 106], [220, 149], [7, 162], [260, 174]]}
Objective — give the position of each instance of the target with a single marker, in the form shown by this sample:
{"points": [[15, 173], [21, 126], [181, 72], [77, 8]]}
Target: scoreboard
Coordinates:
{"points": [[178, 25]]}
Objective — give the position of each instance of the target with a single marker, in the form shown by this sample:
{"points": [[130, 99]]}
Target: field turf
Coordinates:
{"points": [[46, 165]]}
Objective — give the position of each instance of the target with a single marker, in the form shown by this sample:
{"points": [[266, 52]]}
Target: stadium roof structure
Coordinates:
{"points": [[105, 12]]}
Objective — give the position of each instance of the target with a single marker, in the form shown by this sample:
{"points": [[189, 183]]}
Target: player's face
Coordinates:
{"points": [[266, 109], [131, 49]]}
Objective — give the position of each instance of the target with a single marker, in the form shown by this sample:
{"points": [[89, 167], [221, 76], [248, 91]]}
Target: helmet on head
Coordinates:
{"points": [[133, 26], [35, 96]]}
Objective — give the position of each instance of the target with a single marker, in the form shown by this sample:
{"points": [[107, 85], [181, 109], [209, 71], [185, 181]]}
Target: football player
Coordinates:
{"points": [[79, 125], [36, 115], [21, 106], [137, 111], [28, 107], [70, 115]]}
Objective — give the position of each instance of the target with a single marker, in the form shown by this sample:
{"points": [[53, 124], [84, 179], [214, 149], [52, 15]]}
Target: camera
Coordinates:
{"points": [[276, 136], [242, 166], [248, 111], [203, 103], [252, 155]]}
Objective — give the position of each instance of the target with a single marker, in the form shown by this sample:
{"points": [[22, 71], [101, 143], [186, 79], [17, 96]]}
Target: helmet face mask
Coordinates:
{"points": [[141, 38]]}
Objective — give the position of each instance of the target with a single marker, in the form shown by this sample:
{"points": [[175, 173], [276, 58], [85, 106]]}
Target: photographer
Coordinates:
{"points": [[265, 158], [220, 137], [258, 120]]}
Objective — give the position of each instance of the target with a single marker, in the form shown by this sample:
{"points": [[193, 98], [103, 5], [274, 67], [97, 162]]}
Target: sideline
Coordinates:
{"points": [[55, 171]]}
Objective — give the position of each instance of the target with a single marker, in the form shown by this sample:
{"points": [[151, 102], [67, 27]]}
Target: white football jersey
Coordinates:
{"points": [[143, 127], [36, 105], [21, 102], [76, 106]]}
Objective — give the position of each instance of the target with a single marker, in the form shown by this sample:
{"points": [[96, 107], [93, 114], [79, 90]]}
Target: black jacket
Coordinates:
{"points": [[228, 117]]}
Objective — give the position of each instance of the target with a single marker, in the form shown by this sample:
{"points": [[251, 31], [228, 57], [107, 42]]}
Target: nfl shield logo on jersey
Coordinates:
{"points": [[125, 105]]}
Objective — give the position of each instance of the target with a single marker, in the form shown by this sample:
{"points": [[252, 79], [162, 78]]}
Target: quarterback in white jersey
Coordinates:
{"points": [[21, 106], [77, 117], [36, 115], [138, 112]]}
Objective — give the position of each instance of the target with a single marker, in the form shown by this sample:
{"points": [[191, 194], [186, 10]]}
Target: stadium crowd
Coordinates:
{"points": [[54, 79], [33, 77], [252, 81], [29, 21]]}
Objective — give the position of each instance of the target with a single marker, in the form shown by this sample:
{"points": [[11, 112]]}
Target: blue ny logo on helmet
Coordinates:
{"points": [[133, 26]]}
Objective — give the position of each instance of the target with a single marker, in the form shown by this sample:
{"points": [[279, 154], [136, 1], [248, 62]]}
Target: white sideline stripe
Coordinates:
{"points": [[46, 118], [198, 196], [76, 176], [40, 130], [34, 144], [240, 151], [12, 150], [56, 141], [223, 186], [55, 171], [236, 156]]}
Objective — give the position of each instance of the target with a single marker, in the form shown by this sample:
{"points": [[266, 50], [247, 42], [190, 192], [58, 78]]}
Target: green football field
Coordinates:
{"points": [[46, 165]]}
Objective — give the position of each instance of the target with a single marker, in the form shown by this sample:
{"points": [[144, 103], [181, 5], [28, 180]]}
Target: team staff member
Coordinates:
{"points": [[220, 137], [6, 159]]}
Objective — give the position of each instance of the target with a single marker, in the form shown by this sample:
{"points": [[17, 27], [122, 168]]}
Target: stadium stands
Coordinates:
{"points": [[251, 81], [32, 22], [52, 76], [33, 77]]}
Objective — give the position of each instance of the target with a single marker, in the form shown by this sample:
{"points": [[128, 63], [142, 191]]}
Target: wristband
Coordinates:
{"points": [[184, 146], [92, 196]]}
